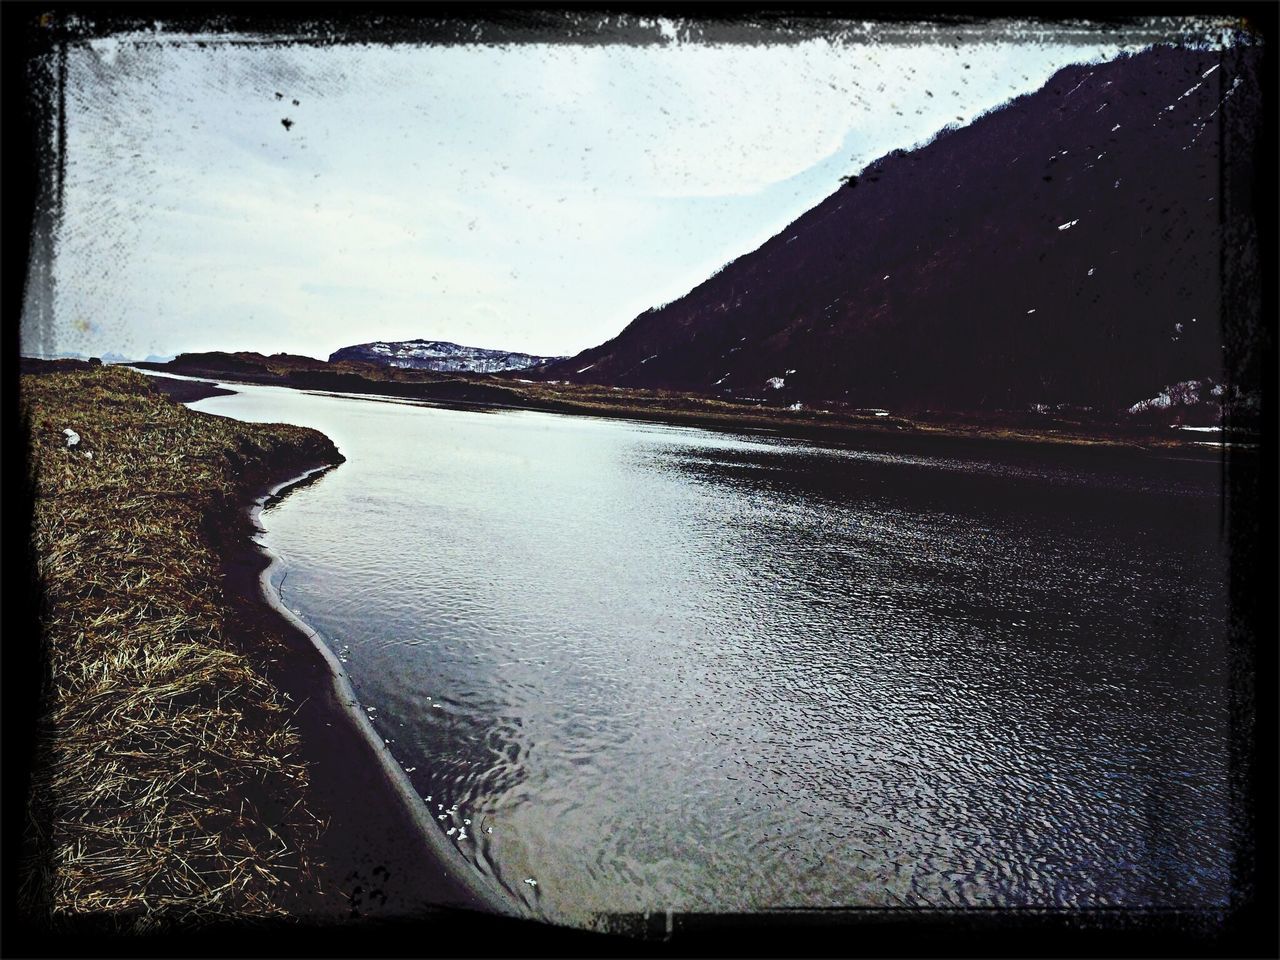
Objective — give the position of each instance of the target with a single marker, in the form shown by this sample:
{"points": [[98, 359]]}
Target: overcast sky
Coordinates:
{"points": [[529, 197]]}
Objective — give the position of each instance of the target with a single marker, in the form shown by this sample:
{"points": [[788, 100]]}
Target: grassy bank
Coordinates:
{"points": [[166, 781]]}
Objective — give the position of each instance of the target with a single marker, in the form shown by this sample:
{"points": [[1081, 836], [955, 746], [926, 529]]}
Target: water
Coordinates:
{"points": [[650, 667]]}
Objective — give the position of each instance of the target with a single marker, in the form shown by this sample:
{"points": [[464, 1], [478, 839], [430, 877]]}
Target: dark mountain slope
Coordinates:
{"points": [[1063, 249]]}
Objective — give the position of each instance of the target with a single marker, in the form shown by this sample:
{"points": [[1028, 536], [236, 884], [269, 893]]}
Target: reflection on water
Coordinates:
{"points": [[641, 667]]}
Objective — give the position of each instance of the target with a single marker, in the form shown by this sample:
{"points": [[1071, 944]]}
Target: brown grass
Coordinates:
{"points": [[165, 786]]}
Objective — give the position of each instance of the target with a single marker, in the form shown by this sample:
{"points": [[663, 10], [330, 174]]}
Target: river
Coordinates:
{"points": [[642, 667]]}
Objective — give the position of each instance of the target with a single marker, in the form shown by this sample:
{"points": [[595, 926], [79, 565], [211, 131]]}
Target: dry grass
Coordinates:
{"points": [[166, 787]]}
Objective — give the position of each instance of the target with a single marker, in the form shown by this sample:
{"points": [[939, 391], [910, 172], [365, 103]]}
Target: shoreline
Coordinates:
{"points": [[380, 855], [449, 882]]}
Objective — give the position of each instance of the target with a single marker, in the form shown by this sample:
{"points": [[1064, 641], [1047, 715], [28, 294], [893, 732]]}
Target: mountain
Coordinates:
{"points": [[438, 355], [1075, 246]]}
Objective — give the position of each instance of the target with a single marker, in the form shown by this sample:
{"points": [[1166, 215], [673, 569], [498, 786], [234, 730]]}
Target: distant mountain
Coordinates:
{"points": [[1075, 246], [438, 355]]}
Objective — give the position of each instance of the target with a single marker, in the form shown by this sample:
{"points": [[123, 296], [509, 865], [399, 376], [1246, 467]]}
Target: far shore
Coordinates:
{"points": [[957, 434]]}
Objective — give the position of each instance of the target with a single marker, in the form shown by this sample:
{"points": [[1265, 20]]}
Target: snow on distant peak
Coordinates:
{"points": [[1068, 225], [775, 383], [439, 355]]}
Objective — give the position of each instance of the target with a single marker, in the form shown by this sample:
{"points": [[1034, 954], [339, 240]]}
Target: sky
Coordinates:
{"points": [[532, 197]]}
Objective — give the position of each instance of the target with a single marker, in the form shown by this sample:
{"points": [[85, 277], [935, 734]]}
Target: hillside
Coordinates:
{"points": [[1065, 249]]}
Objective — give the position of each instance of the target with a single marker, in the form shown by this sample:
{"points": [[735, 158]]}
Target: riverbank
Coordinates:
{"points": [[886, 431], [195, 760]]}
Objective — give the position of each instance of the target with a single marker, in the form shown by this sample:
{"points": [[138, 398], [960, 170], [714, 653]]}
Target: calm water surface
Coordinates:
{"points": [[650, 667]]}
